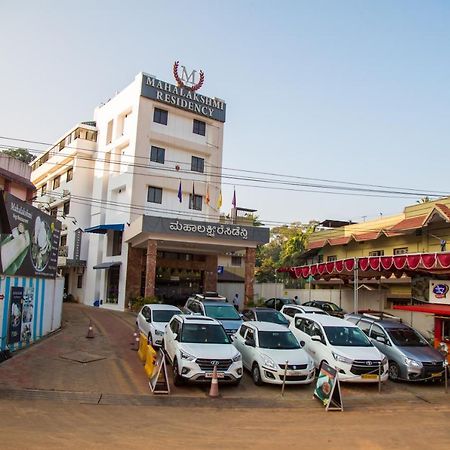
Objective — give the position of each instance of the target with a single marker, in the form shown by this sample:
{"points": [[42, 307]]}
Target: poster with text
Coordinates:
{"points": [[15, 315]]}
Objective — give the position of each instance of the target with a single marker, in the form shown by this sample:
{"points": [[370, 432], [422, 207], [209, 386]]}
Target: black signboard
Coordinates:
{"points": [[31, 248], [77, 246], [15, 315], [327, 389]]}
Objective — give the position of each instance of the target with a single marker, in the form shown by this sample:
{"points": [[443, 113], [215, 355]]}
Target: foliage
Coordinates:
{"points": [[287, 244], [22, 154], [136, 303]]}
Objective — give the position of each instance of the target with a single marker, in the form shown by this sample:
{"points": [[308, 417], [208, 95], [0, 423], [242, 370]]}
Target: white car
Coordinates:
{"points": [[265, 348], [195, 344], [342, 345], [289, 311], [152, 320]]}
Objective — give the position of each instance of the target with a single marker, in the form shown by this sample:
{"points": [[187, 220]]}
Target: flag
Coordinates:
{"points": [[219, 200], [180, 194], [234, 199], [207, 195]]}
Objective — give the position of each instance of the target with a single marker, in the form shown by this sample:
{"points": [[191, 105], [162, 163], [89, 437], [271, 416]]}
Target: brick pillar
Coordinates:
{"points": [[210, 279], [150, 272], [135, 261], [250, 258]]}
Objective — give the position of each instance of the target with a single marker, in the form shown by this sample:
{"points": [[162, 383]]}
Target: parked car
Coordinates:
{"points": [[289, 311], [195, 344], [278, 302], [340, 344], [208, 296], [331, 308], [265, 348], [410, 356], [265, 315], [224, 312], [152, 320]]}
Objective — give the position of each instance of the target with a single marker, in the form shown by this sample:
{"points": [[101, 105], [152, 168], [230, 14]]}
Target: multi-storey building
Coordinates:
{"points": [[63, 176], [154, 226]]}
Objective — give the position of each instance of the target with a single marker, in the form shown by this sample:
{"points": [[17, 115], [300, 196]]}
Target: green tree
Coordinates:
{"points": [[22, 154]]}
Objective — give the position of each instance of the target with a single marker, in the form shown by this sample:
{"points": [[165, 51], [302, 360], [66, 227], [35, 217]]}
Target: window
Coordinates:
{"points": [[319, 258], [331, 258], [43, 189], [197, 164], [80, 281], [364, 326], [154, 195], [69, 175], [109, 132], [54, 212], [377, 331], [377, 253], [117, 243], [400, 251], [175, 326], [199, 127], [291, 312], [146, 312], [195, 202], [242, 330], [66, 208], [236, 261], [160, 116], [63, 240], [157, 154], [56, 182]]}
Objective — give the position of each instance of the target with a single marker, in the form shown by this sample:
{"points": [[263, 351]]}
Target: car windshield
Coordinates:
{"points": [[282, 340], [271, 316], [406, 337], [204, 334], [347, 337], [164, 315], [333, 307], [222, 312]]}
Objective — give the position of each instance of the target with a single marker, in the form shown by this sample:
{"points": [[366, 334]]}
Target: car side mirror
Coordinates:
{"points": [[149, 319], [316, 338], [381, 339], [302, 343], [250, 342], [175, 336]]}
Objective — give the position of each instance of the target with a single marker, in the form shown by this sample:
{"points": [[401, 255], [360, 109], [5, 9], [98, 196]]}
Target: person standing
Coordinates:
{"points": [[236, 301], [296, 300]]}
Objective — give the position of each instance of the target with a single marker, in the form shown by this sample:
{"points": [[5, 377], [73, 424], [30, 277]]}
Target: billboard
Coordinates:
{"points": [[31, 247], [439, 291]]}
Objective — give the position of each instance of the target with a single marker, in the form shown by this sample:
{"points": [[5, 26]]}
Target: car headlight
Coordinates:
{"points": [[268, 362], [237, 357], [412, 362], [159, 333], [342, 359], [187, 356]]}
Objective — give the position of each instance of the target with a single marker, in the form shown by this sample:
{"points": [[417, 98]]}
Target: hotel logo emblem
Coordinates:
{"points": [[189, 81]]}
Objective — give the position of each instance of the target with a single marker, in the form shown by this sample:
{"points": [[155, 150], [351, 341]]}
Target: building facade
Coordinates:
{"points": [[151, 221]]}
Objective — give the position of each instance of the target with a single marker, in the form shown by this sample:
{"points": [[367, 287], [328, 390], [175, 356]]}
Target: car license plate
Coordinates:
{"points": [[436, 374], [219, 375], [369, 376], [291, 373]]}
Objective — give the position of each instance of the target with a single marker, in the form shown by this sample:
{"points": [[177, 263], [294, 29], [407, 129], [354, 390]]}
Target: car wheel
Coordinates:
{"points": [[394, 371], [256, 375], [149, 339], [177, 378]]}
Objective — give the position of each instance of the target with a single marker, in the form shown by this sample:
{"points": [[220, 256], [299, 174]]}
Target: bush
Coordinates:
{"points": [[136, 303]]}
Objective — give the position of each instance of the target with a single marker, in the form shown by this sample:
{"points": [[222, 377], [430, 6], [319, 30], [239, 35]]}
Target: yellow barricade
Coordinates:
{"points": [[142, 351], [150, 361]]}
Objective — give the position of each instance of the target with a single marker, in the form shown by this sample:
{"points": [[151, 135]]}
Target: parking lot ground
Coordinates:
{"points": [[113, 375]]}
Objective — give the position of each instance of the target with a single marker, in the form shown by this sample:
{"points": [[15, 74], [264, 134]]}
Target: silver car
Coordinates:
{"points": [[410, 356]]}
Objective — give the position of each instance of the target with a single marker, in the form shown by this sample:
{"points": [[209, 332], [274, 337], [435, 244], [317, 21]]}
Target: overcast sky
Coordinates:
{"points": [[353, 91]]}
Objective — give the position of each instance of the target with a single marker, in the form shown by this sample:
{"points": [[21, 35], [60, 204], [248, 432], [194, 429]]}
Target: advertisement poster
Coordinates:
{"points": [[15, 315], [439, 291], [327, 388], [31, 249], [27, 314]]}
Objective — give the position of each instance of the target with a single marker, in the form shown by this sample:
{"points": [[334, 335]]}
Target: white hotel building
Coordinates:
{"points": [[146, 193]]}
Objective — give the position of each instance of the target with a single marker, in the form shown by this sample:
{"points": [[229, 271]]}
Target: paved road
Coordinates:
{"points": [[49, 400]]}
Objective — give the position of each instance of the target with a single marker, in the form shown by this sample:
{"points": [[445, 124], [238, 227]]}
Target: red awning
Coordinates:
{"points": [[432, 308], [375, 266], [340, 240], [370, 236], [316, 244]]}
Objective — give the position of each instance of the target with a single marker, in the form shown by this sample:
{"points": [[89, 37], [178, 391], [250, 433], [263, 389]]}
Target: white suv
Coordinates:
{"points": [[342, 345], [289, 311], [152, 320], [195, 344]]}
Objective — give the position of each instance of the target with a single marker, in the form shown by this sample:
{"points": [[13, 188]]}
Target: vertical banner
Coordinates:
{"points": [[327, 388], [27, 314], [15, 315]]}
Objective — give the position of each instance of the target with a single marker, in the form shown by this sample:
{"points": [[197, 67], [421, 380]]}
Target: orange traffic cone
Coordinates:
{"points": [[214, 390], [90, 333]]}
